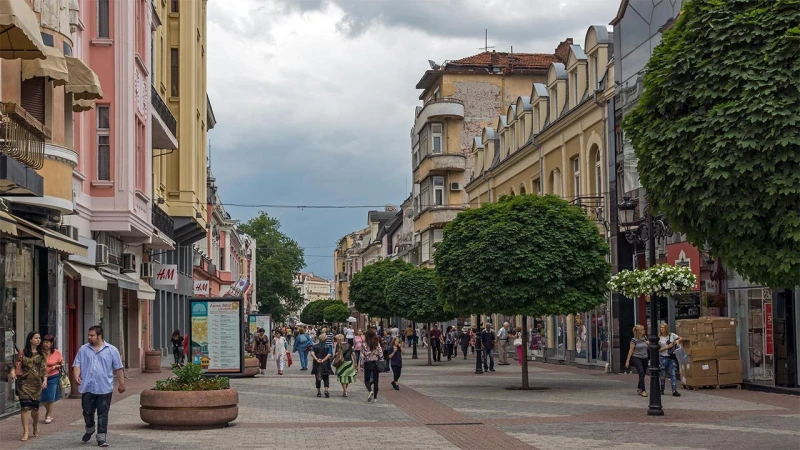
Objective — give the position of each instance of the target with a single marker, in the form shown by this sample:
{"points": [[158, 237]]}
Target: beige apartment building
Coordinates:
{"points": [[460, 98]]}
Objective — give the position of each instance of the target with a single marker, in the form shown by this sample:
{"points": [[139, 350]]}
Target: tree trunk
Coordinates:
{"points": [[524, 361], [430, 363]]}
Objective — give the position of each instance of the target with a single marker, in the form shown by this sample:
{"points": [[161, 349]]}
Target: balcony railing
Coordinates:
{"points": [[163, 111], [163, 222], [593, 207], [23, 136]]}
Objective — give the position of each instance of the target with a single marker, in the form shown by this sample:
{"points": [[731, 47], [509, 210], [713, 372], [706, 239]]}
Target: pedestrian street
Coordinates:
{"points": [[447, 406]]}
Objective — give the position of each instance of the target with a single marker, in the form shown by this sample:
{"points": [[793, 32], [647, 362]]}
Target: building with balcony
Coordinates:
{"points": [[458, 100], [555, 140], [312, 287], [41, 77], [342, 266]]}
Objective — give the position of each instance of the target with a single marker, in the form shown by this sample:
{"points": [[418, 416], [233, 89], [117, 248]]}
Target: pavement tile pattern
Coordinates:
{"points": [[447, 406]]}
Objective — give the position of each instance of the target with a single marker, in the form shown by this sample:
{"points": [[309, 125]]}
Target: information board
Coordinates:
{"points": [[216, 335], [256, 321]]}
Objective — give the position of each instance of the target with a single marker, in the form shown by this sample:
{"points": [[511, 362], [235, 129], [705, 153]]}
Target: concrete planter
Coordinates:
{"points": [[251, 367], [152, 361], [189, 409]]}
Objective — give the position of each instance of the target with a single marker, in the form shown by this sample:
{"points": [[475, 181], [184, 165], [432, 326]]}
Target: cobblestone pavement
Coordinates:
{"points": [[446, 407]]}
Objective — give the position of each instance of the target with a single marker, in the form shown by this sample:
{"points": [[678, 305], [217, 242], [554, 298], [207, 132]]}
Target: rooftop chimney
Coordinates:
{"points": [[562, 51]]}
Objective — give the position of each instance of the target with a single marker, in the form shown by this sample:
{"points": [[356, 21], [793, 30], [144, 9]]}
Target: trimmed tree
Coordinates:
{"points": [[314, 312], [528, 255], [368, 287], [717, 133], [415, 297], [336, 312]]}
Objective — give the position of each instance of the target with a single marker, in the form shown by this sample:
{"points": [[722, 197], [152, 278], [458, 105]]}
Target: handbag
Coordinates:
{"points": [[338, 360], [66, 385], [382, 365], [518, 341]]}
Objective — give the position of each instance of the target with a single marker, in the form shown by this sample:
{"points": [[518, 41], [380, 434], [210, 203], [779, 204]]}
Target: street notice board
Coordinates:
{"points": [[256, 321], [216, 335]]}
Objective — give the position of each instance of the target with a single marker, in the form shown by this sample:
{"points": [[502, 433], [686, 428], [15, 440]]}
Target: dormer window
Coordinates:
{"points": [[554, 102], [536, 119], [596, 70], [573, 82]]}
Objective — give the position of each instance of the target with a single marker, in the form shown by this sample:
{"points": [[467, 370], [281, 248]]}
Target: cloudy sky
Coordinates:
{"points": [[315, 98]]}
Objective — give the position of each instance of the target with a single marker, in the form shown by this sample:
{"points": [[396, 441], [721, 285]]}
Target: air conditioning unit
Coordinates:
{"points": [[69, 231], [147, 271], [101, 258], [455, 186], [128, 263]]}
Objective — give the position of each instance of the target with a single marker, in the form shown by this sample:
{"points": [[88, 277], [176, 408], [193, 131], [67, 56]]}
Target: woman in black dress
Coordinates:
{"points": [[322, 365]]}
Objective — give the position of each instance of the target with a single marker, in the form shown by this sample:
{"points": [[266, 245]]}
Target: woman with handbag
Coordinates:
{"points": [[261, 349], [667, 343], [344, 362], [396, 360], [322, 365], [372, 362], [30, 373], [55, 362], [518, 344], [303, 345], [279, 350], [358, 342], [638, 352]]}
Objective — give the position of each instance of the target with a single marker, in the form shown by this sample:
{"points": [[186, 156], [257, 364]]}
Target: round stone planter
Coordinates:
{"points": [[251, 367], [152, 361], [189, 409]]}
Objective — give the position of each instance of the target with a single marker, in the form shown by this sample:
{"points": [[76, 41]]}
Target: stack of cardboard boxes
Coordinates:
{"points": [[711, 350]]}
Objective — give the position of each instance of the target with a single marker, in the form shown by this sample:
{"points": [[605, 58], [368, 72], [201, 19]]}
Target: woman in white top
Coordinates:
{"points": [[279, 350], [667, 342]]}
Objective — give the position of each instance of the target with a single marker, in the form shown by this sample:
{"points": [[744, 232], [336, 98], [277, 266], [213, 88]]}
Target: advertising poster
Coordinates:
{"points": [[216, 335], [256, 321]]}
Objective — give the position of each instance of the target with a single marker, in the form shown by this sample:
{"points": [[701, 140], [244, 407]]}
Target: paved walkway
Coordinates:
{"points": [[446, 407]]}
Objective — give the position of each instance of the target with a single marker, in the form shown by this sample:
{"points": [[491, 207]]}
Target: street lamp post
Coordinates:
{"points": [[414, 341], [652, 230]]}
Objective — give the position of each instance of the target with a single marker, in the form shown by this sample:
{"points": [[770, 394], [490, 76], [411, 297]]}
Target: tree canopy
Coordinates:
{"points": [[717, 133], [368, 287], [314, 312], [414, 296], [278, 258], [336, 312], [528, 254]]}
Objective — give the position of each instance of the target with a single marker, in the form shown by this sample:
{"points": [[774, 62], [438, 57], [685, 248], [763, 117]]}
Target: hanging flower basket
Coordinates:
{"points": [[662, 280]]}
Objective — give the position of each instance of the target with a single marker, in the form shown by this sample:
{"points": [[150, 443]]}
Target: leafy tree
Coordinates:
{"points": [[717, 133], [414, 296], [528, 255], [314, 312], [368, 287], [278, 258], [336, 312]]}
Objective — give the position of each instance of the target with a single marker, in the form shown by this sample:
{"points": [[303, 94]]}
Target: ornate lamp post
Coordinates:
{"points": [[652, 230]]}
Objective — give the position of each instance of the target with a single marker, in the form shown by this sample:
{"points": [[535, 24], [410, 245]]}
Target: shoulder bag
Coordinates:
{"points": [[64, 383], [338, 359]]}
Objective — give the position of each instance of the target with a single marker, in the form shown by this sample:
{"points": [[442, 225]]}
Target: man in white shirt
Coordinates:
{"points": [[502, 344], [395, 332], [349, 334]]}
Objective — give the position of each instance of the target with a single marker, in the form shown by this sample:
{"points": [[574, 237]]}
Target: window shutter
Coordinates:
{"points": [[33, 97]]}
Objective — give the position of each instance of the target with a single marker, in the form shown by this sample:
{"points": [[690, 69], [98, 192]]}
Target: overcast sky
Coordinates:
{"points": [[314, 99]]}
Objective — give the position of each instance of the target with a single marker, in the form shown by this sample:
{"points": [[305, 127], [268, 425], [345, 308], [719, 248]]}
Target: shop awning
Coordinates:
{"points": [[121, 280], [19, 31], [145, 291], [53, 239], [89, 276], [8, 225], [82, 105], [53, 66], [83, 82]]}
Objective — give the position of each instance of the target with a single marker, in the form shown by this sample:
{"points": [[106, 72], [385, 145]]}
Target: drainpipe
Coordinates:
{"points": [[541, 169], [610, 364]]}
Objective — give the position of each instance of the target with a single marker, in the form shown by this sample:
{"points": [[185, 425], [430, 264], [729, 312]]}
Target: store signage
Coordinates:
{"points": [[769, 343], [201, 288], [165, 275], [216, 335]]}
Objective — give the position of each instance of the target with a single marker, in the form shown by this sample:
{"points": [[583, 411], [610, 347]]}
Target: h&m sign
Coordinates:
{"points": [[165, 275], [201, 288]]}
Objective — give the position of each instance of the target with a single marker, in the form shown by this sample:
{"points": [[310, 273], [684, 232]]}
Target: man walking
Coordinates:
{"points": [[487, 339], [502, 344], [94, 369], [436, 343]]}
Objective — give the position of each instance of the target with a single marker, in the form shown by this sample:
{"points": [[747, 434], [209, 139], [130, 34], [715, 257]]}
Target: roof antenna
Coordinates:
{"points": [[486, 46]]}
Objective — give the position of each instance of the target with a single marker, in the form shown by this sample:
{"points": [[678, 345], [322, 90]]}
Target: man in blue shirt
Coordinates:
{"points": [[94, 369]]}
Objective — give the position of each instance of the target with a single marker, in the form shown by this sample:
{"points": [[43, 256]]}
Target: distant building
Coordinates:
{"points": [[312, 287]]}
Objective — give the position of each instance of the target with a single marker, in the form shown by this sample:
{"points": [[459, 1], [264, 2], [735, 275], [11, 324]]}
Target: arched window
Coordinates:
{"points": [[512, 192], [555, 182], [598, 175], [522, 189]]}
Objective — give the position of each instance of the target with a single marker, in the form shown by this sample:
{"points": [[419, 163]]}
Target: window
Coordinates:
{"points": [[222, 258], [537, 184], [437, 94], [103, 28], [598, 166], [438, 191], [536, 120], [33, 98], [554, 97], [574, 82], [103, 143], [174, 72], [576, 176], [426, 247], [175, 6], [436, 139], [596, 64], [141, 156]]}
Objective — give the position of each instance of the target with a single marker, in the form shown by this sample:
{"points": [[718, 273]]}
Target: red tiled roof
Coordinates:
{"points": [[502, 59]]}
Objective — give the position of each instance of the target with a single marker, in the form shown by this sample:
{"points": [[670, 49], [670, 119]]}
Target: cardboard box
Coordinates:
{"points": [[686, 327], [729, 366], [699, 381], [725, 341], [729, 378], [701, 354], [694, 369], [705, 328], [727, 352], [721, 322]]}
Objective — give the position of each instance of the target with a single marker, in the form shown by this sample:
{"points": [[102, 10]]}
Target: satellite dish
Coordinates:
{"points": [[390, 208], [433, 64]]}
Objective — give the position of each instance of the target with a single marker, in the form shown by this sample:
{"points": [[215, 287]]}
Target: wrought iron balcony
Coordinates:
{"points": [[163, 222], [163, 111], [22, 135], [593, 207]]}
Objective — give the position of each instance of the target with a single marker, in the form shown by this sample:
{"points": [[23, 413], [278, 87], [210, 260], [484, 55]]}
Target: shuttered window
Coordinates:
{"points": [[33, 97]]}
